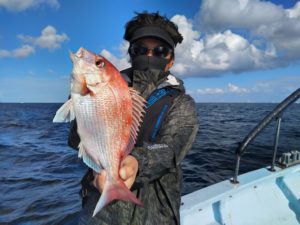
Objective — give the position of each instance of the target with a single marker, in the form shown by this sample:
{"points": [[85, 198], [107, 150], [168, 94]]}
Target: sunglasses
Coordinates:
{"points": [[159, 51]]}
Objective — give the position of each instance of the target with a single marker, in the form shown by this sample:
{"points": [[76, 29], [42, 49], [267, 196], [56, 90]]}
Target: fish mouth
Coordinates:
{"points": [[94, 88], [92, 85]]}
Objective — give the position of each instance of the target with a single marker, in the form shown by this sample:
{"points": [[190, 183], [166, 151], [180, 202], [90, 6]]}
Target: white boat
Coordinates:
{"points": [[267, 196]]}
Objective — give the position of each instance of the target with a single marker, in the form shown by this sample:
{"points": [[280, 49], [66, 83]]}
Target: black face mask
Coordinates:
{"points": [[143, 62]]}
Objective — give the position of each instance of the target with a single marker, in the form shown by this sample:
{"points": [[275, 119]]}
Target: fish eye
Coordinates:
{"points": [[100, 63]]}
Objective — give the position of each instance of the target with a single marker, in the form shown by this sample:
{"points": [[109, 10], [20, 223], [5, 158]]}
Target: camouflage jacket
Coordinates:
{"points": [[159, 179]]}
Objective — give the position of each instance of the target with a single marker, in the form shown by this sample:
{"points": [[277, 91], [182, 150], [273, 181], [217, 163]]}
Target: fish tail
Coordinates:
{"points": [[115, 190]]}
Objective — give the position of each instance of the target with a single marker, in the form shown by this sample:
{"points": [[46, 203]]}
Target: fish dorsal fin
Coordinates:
{"points": [[138, 106]]}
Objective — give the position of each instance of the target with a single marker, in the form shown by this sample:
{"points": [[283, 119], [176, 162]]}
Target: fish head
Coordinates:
{"points": [[90, 72]]}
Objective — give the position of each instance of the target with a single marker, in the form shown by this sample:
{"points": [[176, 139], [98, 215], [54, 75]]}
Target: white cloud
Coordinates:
{"points": [[21, 52], [233, 36], [276, 28], [286, 84], [231, 88], [217, 15], [215, 53], [266, 90], [21, 5], [121, 62], [24, 51], [294, 12], [4, 53], [263, 87], [210, 91], [49, 39], [235, 89]]}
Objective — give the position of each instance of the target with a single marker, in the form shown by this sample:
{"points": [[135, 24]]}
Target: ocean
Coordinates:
{"points": [[40, 175]]}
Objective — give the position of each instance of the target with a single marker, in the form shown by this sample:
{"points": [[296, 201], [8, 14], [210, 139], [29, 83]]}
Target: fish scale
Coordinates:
{"points": [[99, 126], [86, 108]]}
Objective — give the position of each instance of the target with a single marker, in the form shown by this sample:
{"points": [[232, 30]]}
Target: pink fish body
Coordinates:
{"points": [[108, 114]]}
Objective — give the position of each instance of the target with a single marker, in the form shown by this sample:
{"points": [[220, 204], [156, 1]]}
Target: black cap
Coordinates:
{"points": [[152, 31]]}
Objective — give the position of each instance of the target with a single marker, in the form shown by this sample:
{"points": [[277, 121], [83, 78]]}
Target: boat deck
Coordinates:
{"points": [[261, 197]]}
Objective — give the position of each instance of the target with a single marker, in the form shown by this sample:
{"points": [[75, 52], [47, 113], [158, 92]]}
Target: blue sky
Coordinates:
{"points": [[233, 50]]}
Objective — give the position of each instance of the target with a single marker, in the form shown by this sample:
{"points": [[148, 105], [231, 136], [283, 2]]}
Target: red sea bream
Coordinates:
{"points": [[108, 114]]}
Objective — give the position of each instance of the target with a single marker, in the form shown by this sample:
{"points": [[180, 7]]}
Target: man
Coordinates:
{"points": [[152, 171]]}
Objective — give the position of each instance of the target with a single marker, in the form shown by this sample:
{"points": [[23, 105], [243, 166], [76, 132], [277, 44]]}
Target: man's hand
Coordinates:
{"points": [[128, 170]]}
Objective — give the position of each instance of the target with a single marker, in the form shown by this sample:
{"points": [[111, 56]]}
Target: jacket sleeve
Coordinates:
{"points": [[174, 140], [73, 139]]}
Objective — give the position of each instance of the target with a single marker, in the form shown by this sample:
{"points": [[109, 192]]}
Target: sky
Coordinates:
{"points": [[233, 50]]}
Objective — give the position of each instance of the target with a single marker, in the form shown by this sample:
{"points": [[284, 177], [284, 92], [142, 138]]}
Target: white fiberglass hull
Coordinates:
{"points": [[261, 197]]}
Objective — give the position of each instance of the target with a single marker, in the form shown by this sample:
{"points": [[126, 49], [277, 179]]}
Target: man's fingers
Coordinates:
{"points": [[128, 170], [129, 167], [129, 182], [123, 173]]}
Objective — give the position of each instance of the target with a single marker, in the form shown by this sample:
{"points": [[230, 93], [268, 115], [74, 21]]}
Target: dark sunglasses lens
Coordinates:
{"points": [[161, 51], [139, 50]]}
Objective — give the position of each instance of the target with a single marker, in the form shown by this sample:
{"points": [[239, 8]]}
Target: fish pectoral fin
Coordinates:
{"points": [[65, 113], [87, 159], [115, 190]]}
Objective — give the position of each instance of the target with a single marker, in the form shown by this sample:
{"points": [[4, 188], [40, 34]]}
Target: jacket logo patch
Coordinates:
{"points": [[157, 146]]}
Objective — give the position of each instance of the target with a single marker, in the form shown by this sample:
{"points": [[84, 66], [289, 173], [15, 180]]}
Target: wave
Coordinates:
{"points": [[41, 178]]}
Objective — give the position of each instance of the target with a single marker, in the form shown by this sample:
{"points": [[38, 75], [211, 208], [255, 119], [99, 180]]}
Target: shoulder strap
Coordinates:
{"points": [[158, 105], [158, 94]]}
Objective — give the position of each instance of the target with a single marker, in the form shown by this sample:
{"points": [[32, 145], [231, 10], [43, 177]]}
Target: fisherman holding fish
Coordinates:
{"points": [[132, 129]]}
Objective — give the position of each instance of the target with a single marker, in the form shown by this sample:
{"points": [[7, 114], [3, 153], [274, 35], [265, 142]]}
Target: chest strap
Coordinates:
{"points": [[158, 105]]}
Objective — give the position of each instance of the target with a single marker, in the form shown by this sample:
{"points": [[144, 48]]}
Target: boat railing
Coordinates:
{"points": [[276, 114]]}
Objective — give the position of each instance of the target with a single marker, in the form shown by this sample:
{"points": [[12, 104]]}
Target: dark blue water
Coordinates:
{"points": [[40, 175]]}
